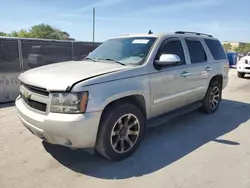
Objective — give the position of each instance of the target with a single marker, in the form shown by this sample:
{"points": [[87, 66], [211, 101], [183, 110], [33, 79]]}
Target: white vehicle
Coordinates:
{"points": [[243, 66]]}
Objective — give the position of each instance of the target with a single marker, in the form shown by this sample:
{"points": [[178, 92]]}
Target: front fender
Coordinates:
{"points": [[100, 95]]}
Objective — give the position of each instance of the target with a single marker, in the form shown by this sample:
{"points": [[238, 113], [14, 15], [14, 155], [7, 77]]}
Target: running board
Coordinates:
{"points": [[162, 119]]}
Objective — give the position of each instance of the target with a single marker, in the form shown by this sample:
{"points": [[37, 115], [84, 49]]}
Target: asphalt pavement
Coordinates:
{"points": [[193, 151]]}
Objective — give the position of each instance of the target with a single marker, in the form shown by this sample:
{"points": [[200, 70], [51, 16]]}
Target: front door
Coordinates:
{"points": [[171, 86]]}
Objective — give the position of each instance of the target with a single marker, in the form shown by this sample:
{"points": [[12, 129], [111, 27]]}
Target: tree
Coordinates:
{"points": [[227, 47], [23, 34], [42, 31], [57, 34], [13, 34], [3, 34], [247, 48], [242, 48]]}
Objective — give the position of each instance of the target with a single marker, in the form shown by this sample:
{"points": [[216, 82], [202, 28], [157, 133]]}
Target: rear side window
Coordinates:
{"points": [[216, 49], [196, 51]]}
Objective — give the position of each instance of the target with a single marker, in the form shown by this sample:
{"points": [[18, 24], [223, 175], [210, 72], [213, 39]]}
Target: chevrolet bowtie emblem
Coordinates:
{"points": [[27, 95]]}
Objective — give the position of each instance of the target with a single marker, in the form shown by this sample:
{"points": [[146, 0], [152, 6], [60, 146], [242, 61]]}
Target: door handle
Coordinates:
{"points": [[185, 73], [208, 69]]}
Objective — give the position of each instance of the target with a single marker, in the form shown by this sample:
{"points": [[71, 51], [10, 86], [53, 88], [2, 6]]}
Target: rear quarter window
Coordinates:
{"points": [[216, 49]]}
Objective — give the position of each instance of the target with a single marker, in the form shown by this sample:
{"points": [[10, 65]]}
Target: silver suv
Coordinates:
{"points": [[127, 84]]}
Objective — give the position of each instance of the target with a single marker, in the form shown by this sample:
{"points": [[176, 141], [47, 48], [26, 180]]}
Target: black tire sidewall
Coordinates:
{"points": [[206, 106], [104, 146]]}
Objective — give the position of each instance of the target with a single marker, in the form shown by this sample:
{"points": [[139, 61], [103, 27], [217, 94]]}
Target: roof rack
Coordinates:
{"points": [[188, 32]]}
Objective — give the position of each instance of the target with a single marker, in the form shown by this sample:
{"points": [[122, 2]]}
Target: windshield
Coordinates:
{"points": [[133, 50]]}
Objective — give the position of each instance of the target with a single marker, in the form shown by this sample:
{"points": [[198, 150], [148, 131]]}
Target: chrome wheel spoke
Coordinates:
{"points": [[129, 141], [116, 143], [122, 145], [132, 124], [127, 120], [214, 105], [215, 90], [215, 101], [211, 104], [115, 133], [217, 95], [120, 124], [132, 132]]}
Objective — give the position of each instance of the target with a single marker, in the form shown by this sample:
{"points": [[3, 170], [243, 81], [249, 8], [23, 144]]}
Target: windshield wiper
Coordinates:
{"points": [[89, 58], [110, 59]]}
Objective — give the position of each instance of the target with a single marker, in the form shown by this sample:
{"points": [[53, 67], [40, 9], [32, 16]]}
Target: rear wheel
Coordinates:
{"points": [[121, 129], [240, 74], [212, 99]]}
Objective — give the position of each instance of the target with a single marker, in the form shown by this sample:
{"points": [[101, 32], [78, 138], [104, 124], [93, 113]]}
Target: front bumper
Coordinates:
{"points": [[71, 130], [244, 68]]}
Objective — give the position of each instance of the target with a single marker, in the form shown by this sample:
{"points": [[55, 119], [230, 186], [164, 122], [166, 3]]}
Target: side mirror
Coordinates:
{"points": [[168, 59]]}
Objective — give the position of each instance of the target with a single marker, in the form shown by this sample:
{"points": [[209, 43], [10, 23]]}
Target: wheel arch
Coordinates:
{"points": [[136, 99], [218, 78]]}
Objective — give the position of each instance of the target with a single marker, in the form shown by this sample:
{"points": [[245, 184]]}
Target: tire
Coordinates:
{"points": [[213, 94], [114, 131], [240, 74]]}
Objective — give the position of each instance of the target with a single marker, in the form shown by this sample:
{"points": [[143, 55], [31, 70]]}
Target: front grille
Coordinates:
{"points": [[37, 90], [35, 104], [247, 67]]}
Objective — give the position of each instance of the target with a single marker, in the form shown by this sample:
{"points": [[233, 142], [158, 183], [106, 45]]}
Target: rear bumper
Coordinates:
{"points": [[71, 130], [225, 81]]}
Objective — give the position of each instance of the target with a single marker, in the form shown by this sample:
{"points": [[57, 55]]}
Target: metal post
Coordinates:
{"points": [[20, 53], [93, 28], [72, 50]]}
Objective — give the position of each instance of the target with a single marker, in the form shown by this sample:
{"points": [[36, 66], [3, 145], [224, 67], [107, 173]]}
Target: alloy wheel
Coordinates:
{"points": [[125, 133], [214, 98]]}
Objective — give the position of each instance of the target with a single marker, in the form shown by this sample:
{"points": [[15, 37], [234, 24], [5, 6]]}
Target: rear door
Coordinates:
{"points": [[200, 67]]}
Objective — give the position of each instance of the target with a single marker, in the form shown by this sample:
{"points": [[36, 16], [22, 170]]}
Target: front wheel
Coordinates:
{"points": [[121, 129], [240, 74], [212, 99]]}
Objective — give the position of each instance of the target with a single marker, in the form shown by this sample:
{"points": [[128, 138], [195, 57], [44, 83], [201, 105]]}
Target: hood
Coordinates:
{"points": [[60, 76], [246, 58]]}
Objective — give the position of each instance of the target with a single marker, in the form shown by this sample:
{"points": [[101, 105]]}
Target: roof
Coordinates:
{"points": [[159, 35]]}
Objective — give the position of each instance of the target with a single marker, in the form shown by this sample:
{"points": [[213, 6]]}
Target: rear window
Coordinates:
{"points": [[216, 49], [196, 51]]}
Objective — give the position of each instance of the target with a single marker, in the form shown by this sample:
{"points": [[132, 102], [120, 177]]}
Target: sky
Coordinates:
{"points": [[227, 20]]}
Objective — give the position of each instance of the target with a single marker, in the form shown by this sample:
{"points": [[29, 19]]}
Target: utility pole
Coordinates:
{"points": [[93, 28]]}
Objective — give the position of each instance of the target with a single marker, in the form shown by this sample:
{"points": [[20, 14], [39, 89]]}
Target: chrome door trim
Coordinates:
{"points": [[162, 99]]}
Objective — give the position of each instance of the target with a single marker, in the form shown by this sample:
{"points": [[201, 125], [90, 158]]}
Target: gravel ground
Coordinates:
{"points": [[194, 151]]}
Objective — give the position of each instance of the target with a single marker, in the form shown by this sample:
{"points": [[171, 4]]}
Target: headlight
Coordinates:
{"points": [[69, 102]]}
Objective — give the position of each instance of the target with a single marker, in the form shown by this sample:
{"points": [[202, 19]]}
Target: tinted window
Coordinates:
{"points": [[196, 51], [216, 49], [172, 47]]}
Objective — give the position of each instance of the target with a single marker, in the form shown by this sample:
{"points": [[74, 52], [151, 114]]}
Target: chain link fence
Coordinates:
{"points": [[18, 55]]}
